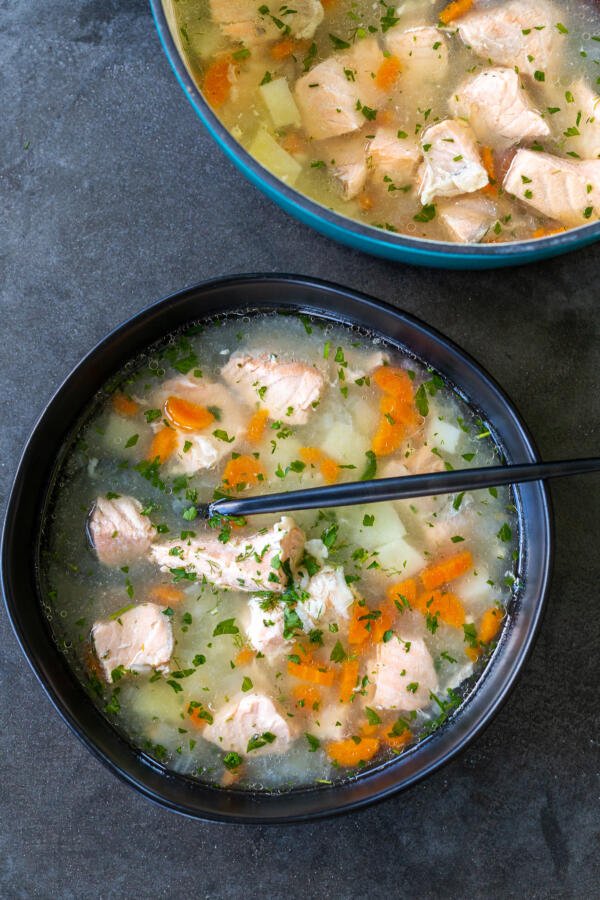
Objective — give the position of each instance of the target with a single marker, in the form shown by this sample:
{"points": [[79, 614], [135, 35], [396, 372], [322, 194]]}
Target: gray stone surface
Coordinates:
{"points": [[111, 196]]}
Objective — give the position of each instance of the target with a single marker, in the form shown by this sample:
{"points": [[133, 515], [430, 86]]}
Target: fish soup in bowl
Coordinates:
{"points": [[463, 122], [278, 652]]}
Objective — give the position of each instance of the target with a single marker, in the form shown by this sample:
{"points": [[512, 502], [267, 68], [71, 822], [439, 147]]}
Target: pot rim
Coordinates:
{"points": [[369, 238]]}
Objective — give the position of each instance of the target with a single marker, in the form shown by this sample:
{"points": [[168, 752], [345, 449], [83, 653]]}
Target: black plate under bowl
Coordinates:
{"points": [[20, 547]]}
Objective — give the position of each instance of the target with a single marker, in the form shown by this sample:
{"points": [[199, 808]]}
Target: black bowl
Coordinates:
{"points": [[20, 548]]}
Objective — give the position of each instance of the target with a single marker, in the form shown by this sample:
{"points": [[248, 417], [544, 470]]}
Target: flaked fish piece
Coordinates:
{"points": [[205, 447], [247, 563], [403, 674], [566, 190], [422, 51], [287, 389], [139, 639], [327, 101], [468, 219], [391, 157], [118, 531], [346, 159], [339, 94], [579, 120], [422, 460], [521, 34], [361, 363], [329, 598], [498, 109], [452, 164], [264, 627], [250, 724], [258, 23], [361, 65]]}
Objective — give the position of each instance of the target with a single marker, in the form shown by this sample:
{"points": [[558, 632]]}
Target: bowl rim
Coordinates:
{"points": [[60, 683], [371, 239]]}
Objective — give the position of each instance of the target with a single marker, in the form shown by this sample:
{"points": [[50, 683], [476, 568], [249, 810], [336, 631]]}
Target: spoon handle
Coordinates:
{"points": [[406, 487]]}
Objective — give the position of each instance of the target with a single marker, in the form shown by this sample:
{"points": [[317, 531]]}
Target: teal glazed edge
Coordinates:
{"points": [[395, 247]]}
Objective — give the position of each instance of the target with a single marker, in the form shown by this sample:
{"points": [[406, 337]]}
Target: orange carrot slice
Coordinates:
{"points": [[243, 472], [447, 570], [403, 591], [383, 623], [358, 632], [487, 158], [186, 415], [293, 143], [348, 679], [163, 445], [393, 380], [455, 10], [490, 624], [257, 425], [387, 73], [328, 467], [283, 49], [216, 84], [307, 697], [350, 753], [244, 657], [446, 606], [312, 672], [388, 437], [124, 405], [546, 232], [198, 715], [166, 593]]}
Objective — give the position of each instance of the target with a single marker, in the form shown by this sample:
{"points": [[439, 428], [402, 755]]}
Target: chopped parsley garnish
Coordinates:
{"points": [[227, 626]]}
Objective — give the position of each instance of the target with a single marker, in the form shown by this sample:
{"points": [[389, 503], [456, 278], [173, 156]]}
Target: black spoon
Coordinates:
{"points": [[405, 487]]}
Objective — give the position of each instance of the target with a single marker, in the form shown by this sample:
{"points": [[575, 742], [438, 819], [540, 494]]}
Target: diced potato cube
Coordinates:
{"points": [[443, 435], [387, 526], [280, 103], [345, 445], [265, 149], [400, 557]]}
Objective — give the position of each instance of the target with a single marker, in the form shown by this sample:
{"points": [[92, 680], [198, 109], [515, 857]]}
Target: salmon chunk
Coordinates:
{"points": [[520, 34], [329, 598], [139, 639], [326, 99], [579, 120], [498, 109], [246, 719], [248, 563], [222, 427], [339, 94], [452, 164], [257, 23], [563, 189], [423, 53], [468, 219], [118, 531], [346, 159], [403, 674], [361, 65], [393, 157], [287, 389], [264, 627]]}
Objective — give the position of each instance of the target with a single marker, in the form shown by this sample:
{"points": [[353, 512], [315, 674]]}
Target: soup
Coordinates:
{"points": [[466, 122], [281, 651]]}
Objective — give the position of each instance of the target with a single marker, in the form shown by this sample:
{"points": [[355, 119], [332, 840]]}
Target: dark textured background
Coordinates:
{"points": [[111, 196]]}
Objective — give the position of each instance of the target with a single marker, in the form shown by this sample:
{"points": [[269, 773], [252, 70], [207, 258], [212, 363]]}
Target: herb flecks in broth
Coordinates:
{"points": [[275, 652], [463, 121]]}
